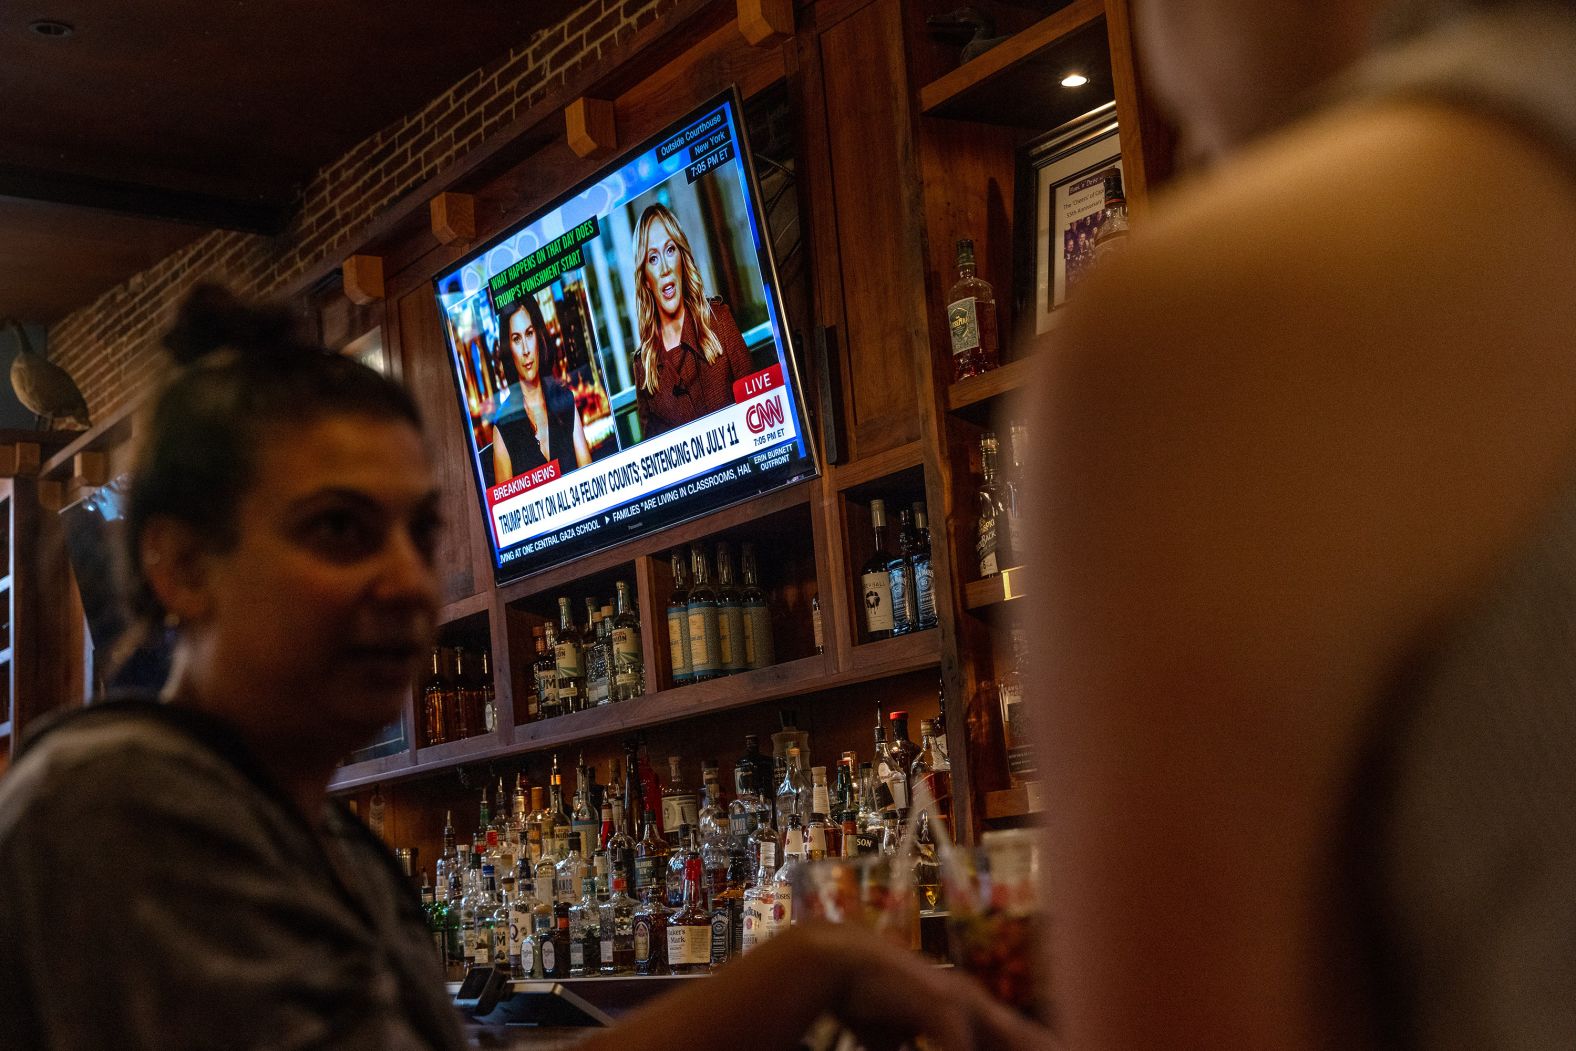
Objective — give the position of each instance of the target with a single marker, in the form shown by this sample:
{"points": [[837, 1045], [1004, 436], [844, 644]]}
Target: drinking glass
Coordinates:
{"points": [[995, 923]]}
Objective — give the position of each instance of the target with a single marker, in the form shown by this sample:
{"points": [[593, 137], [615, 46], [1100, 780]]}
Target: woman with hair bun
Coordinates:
{"points": [[691, 352], [176, 874]]}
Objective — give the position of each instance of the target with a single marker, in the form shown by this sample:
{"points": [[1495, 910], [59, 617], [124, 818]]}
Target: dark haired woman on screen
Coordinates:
{"points": [[209, 894], [691, 352], [550, 427]]}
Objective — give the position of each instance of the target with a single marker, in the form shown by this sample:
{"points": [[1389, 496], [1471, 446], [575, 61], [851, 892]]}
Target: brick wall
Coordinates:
{"points": [[111, 346]]}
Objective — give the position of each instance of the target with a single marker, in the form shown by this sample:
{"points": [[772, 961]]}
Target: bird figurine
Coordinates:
{"points": [[969, 20], [44, 388]]}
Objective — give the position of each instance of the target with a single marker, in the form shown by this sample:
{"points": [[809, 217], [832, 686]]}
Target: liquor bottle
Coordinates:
{"points": [[583, 819], [651, 862], [716, 856], [816, 629], [1020, 756], [546, 671], [759, 767], [487, 696], [556, 834], [617, 929], [651, 932], [731, 649], [459, 722], [620, 845], [629, 667], [689, 926], [678, 623], [1111, 235], [794, 846], [993, 545], [1013, 485], [542, 924], [555, 948], [971, 319], [869, 813], [824, 836], [435, 904], [485, 953], [760, 918], [933, 770], [679, 805], [434, 705], [536, 825], [650, 790], [793, 794], [678, 862], [924, 575], [900, 577], [847, 805], [569, 656], [713, 813], [704, 647], [874, 582], [533, 697], [727, 912], [599, 682], [605, 643], [521, 907], [760, 648], [585, 937], [569, 872], [746, 813], [902, 751]]}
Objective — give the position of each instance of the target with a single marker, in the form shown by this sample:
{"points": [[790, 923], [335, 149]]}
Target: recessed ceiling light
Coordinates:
{"points": [[51, 27], [1074, 80]]}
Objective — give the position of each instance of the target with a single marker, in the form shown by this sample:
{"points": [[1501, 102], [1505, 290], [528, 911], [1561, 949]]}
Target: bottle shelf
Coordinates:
{"points": [[1006, 586], [1018, 82], [871, 468], [1014, 804], [796, 678], [980, 390]]}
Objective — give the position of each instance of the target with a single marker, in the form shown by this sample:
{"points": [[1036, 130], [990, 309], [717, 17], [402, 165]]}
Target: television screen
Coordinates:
{"points": [[621, 356]]}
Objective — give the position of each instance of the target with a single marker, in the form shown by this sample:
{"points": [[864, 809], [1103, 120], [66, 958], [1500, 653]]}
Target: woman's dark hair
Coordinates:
{"points": [[528, 304], [242, 371]]}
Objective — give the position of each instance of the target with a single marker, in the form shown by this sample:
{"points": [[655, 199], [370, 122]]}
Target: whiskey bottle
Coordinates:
{"points": [[1111, 236], [569, 655], [902, 751], [825, 836], [732, 651], [651, 933], [875, 584], [689, 926], [679, 805], [629, 668], [678, 623], [616, 927], [727, 913], [760, 649], [651, 862], [704, 644], [455, 716], [555, 947], [760, 919], [900, 578], [1020, 755], [994, 540], [971, 319], [545, 671], [924, 577], [434, 723], [933, 770]]}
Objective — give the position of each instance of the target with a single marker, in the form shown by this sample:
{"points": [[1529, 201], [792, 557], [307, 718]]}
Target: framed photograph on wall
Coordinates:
{"points": [[1061, 199]]}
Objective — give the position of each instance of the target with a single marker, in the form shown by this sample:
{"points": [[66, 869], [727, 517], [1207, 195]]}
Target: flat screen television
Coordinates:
{"points": [[621, 356]]}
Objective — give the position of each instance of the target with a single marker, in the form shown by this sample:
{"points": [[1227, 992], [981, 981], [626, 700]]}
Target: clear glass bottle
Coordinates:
{"points": [[825, 835], [794, 847], [760, 647], [713, 813], [732, 652], [875, 584], [522, 905], [868, 816], [599, 682], [1111, 235], [793, 794], [760, 908], [629, 666], [568, 873], [537, 824], [487, 695], [679, 805], [689, 926], [705, 649], [759, 766], [616, 926], [620, 849], [993, 543], [900, 577], [569, 656], [583, 820], [585, 937], [924, 575], [902, 752], [678, 622], [651, 861], [747, 813], [546, 672], [678, 862], [971, 319], [533, 697]]}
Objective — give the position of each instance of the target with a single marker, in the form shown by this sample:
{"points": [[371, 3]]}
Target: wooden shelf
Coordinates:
{"points": [[1006, 586], [876, 660], [871, 468], [977, 390], [466, 607], [1018, 82], [1014, 804]]}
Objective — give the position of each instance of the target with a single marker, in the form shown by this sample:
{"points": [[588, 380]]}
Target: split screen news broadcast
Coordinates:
{"points": [[621, 355]]}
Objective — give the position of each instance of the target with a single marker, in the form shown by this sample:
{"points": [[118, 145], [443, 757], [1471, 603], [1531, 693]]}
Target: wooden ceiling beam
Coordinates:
{"points": [[245, 215]]}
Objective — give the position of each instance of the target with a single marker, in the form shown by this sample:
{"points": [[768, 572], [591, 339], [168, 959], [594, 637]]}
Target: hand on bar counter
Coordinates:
{"points": [[886, 995]]}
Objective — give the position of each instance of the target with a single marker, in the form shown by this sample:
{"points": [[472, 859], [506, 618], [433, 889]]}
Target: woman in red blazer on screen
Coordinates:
{"points": [[691, 352]]}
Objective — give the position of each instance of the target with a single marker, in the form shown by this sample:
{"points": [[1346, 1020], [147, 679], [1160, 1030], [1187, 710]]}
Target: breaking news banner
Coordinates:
{"points": [[546, 508]]}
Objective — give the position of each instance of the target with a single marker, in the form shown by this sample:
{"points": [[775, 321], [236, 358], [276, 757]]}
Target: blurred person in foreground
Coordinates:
{"points": [[1309, 537]]}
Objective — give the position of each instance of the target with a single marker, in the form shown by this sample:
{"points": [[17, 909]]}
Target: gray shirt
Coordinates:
{"points": [[160, 892]]}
